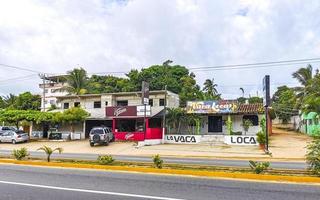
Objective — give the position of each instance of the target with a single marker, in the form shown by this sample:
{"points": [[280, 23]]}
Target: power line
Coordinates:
{"points": [[19, 68], [262, 64], [18, 78]]}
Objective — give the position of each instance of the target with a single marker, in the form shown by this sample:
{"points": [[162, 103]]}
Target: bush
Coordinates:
{"points": [[105, 159], [236, 133], [261, 137], [20, 154], [258, 167], [313, 155], [157, 161]]}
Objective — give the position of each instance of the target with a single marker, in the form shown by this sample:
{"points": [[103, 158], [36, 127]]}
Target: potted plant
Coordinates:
{"points": [[261, 139]]}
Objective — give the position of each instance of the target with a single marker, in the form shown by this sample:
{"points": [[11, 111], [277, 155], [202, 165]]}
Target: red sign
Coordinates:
{"points": [[116, 111]]}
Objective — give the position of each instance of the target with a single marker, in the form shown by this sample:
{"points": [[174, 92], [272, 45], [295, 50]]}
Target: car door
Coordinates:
{"points": [[10, 136], [6, 136]]}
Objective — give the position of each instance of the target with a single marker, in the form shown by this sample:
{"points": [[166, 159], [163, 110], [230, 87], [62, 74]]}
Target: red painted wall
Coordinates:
{"points": [[151, 133]]}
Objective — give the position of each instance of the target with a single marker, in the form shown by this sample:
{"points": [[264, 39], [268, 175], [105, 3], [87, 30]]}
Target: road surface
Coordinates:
{"points": [[193, 161], [38, 183]]}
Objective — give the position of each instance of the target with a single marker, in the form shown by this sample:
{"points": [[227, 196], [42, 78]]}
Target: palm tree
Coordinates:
{"points": [[210, 88], [303, 75], [242, 91], [49, 151], [9, 100], [77, 80]]}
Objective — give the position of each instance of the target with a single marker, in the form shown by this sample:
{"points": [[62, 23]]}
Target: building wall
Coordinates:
{"points": [[87, 102], [236, 126]]}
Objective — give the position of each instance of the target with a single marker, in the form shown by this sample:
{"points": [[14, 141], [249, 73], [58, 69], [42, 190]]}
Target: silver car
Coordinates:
{"points": [[14, 137], [101, 135]]}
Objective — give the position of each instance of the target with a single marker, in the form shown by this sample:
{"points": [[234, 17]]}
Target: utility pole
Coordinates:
{"points": [[164, 115], [266, 104], [43, 77]]}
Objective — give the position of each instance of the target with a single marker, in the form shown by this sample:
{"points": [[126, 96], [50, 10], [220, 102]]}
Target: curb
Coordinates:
{"points": [[202, 173]]}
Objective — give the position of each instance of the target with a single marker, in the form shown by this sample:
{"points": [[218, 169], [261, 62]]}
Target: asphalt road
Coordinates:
{"points": [[193, 161], [26, 183]]}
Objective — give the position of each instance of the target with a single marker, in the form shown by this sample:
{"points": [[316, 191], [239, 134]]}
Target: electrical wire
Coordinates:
{"points": [[19, 68]]}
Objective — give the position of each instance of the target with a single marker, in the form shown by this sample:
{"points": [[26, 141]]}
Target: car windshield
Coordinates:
{"points": [[96, 131]]}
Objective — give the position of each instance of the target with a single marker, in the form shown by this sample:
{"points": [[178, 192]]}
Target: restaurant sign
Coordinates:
{"points": [[116, 111], [212, 106]]}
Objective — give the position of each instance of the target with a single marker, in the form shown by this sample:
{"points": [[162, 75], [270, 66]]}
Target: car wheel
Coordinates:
{"points": [[91, 144], [14, 142], [106, 143]]}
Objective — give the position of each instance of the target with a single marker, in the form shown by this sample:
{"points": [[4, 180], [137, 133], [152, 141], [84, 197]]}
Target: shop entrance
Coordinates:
{"points": [[215, 124]]}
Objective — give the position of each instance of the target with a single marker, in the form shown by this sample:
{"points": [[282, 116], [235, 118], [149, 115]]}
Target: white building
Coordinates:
{"points": [[99, 104], [51, 89]]}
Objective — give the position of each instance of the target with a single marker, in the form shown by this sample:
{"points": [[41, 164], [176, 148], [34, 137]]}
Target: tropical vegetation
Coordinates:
{"points": [[49, 151]]}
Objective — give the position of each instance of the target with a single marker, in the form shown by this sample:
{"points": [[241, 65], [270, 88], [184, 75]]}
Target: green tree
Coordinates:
{"points": [[9, 100], [27, 101], [77, 81], [210, 89], [255, 100], [304, 76], [246, 125], [72, 116], [311, 98], [283, 102], [174, 119]]}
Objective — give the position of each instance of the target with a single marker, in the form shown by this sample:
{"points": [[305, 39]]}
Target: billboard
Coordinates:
{"points": [[212, 106]]}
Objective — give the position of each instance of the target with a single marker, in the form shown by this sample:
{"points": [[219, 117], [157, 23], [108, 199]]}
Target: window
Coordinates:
{"points": [[253, 118], [52, 102], [53, 90], [122, 103], [97, 104], [161, 102], [151, 102], [45, 90], [65, 105], [106, 103], [76, 104]]}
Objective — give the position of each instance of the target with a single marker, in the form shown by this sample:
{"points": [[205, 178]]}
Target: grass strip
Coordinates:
{"points": [[190, 172]]}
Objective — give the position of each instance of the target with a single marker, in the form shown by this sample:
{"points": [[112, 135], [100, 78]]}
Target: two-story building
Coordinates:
{"points": [[52, 87], [123, 112]]}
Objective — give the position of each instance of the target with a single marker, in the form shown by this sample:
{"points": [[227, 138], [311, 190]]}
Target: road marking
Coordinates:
{"points": [[89, 191]]}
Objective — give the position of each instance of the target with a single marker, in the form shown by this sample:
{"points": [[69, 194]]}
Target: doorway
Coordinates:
{"points": [[215, 124]]}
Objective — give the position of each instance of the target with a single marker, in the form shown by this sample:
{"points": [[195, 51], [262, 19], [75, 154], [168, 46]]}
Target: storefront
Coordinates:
{"points": [[219, 122], [128, 123]]}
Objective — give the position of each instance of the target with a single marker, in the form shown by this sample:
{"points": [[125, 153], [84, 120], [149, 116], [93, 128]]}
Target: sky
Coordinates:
{"points": [[55, 36]]}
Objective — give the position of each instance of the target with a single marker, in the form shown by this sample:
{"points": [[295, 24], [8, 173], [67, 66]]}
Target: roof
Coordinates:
{"points": [[250, 108], [116, 94]]}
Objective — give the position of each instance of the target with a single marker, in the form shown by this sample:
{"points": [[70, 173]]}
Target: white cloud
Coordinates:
{"points": [[110, 35]]}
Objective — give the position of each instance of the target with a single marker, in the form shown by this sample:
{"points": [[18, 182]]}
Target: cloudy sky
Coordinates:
{"points": [[118, 35]]}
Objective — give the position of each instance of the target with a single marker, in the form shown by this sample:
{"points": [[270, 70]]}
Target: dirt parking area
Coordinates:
{"points": [[288, 144], [285, 145]]}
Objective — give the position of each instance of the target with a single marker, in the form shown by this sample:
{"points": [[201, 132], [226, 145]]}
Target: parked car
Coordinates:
{"points": [[101, 135], [7, 128], [14, 136]]}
